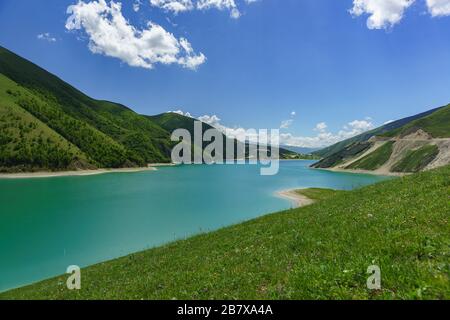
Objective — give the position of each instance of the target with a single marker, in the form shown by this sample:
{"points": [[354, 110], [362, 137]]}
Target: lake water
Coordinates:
{"points": [[47, 224]]}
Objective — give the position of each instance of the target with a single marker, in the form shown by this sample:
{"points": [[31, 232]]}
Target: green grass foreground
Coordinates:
{"points": [[317, 252], [319, 194]]}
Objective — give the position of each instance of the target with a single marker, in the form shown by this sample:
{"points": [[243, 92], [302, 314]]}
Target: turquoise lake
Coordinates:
{"points": [[47, 224]]}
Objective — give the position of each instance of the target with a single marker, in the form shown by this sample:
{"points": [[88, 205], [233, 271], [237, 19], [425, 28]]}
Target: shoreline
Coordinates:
{"points": [[295, 198], [73, 173], [374, 173]]}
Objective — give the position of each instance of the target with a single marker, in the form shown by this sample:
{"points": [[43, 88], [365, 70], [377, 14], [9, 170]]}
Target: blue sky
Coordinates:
{"points": [[251, 64]]}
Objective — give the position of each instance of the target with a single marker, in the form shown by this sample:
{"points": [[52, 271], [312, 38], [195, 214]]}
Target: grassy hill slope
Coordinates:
{"points": [[430, 131], [437, 124], [173, 121], [375, 159], [317, 252], [134, 138], [26, 143], [350, 151], [416, 160], [389, 127], [106, 134]]}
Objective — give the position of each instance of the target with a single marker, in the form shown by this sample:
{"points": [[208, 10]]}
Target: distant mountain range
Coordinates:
{"points": [[46, 124], [300, 150], [408, 145]]}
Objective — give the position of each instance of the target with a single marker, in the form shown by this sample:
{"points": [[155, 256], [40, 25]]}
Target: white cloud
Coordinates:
{"points": [[321, 127], [236, 132], [219, 4], [46, 37], [180, 112], [137, 6], [325, 138], [359, 126], [286, 124], [112, 35], [439, 8], [382, 13], [322, 139], [177, 6]]}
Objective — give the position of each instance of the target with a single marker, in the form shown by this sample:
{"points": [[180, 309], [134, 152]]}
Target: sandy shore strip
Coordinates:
{"points": [[27, 175], [374, 173], [297, 199], [154, 165]]}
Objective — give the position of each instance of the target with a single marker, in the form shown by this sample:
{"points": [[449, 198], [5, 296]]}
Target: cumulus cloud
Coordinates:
{"points": [[213, 121], [112, 35], [46, 37], [137, 6], [321, 127], [382, 13], [177, 6], [439, 8], [180, 112], [323, 138], [286, 124], [237, 132], [221, 5]]}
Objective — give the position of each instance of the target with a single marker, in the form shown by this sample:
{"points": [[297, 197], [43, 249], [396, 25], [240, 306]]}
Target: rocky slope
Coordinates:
{"points": [[419, 145]]}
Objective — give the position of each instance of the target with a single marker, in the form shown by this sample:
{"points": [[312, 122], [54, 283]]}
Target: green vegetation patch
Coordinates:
{"points": [[321, 251], [339, 157], [26, 143], [109, 133], [319, 194], [390, 129], [416, 160], [375, 159], [437, 124]]}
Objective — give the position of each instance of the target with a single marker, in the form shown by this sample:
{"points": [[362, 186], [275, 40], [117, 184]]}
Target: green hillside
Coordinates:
{"points": [[416, 160], [91, 133], [26, 143], [375, 159], [436, 124], [173, 121], [350, 151], [318, 194], [317, 252], [328, 151], [110, 134]]}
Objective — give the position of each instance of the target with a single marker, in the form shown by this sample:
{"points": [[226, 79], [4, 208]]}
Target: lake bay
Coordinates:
{"points": [[47, 224]]}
